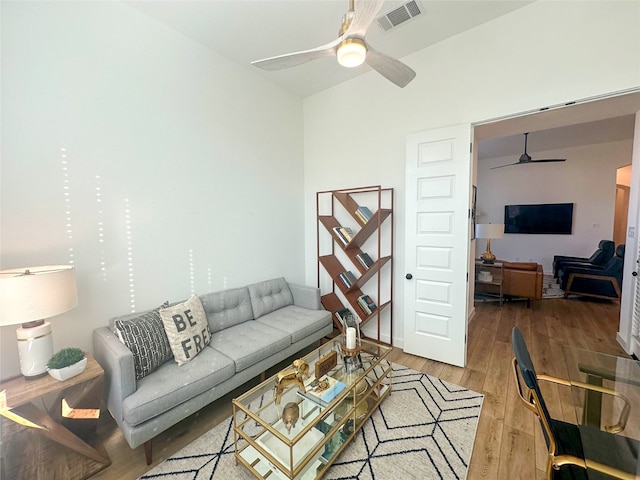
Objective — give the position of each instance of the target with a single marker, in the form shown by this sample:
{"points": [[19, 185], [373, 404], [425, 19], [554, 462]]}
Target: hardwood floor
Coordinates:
{"points": [[509, 443]]}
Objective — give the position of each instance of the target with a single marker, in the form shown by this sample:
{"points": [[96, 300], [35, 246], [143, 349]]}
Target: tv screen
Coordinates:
{"points": [[547, 218]]}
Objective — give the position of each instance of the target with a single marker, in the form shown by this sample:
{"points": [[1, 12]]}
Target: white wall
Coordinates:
{"points": [[154, 165], [355, 132], [587, 179]]}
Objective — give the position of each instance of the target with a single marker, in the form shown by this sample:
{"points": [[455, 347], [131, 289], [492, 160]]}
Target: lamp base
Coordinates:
{"points": [[488, 257], [35, 347]]}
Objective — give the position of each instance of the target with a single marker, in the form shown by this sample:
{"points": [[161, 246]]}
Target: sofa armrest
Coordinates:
{"points": [[305, 297], [117, 362]]}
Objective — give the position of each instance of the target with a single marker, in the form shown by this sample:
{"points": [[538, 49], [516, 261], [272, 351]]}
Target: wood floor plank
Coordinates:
{"points": [[485, 459], [516, 454]]}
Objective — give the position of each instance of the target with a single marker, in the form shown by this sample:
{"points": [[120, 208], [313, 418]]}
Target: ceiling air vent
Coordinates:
{"points": [[399, 15]]}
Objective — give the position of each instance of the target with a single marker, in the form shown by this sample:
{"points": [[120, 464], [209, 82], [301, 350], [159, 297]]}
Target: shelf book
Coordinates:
{"points": [[364, 214], [342, 313], [366, 304], [323, 390], [347, 278], [345, 234], [364, 259]]}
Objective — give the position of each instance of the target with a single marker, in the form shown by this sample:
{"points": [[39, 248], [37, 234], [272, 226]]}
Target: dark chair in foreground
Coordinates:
{"points": [[600, 282], [602, 255], [617, 456]]}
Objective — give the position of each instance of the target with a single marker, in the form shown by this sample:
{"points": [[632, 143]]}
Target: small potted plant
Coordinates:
{"points": [[66, 363]]}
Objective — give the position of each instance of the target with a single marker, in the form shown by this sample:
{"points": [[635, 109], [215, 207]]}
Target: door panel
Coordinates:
{"points": [[437, 243]]}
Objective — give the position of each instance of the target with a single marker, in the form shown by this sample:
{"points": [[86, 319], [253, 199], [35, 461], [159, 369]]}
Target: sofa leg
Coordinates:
{"points": [[263, 376], [148, 452]]}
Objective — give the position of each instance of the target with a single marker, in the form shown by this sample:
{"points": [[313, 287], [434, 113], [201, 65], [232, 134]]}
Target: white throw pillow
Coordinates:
{"points": [[187, 329]]}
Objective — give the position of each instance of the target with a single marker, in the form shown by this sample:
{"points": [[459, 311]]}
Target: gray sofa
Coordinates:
{"points": [[252, 328]]}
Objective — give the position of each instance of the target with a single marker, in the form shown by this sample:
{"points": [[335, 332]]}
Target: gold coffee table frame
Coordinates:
{"points": [[322, 432]]}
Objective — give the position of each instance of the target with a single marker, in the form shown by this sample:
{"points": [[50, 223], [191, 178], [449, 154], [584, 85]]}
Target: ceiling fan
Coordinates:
{"points": [[349, 48], [526, 158]]}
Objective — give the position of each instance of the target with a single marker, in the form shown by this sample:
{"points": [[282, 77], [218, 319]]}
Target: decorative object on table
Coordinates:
{"points": [[290, 415], [350, 336], [485, 276], [294, 375], [489, 231], [323, 390], [349, 321], [66, 363], [352, 345], [28, 296], [326, 363]]}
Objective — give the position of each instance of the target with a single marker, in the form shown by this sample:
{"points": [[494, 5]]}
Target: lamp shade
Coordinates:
{"points": [[36, 293], [489, 230]]}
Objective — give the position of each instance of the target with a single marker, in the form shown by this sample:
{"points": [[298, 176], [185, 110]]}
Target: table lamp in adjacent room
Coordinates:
{"points": [[489, 231], [29, 296]]}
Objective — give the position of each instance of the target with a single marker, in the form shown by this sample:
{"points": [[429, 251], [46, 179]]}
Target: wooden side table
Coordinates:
{"points": [[70, 420], [488, 281]]}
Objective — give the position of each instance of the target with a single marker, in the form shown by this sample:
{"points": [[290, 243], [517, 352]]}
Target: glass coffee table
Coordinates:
{"points": [[281, 432]]}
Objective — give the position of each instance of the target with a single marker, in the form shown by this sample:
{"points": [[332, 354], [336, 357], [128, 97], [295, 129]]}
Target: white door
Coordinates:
{"points": [[437, 243]]}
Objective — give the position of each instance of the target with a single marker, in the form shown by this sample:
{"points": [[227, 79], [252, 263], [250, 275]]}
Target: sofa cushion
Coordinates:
{"points": [[187, 329], [227, 308], [250, 342], [144, 335], [297, 322], [269, 296], [171, 385]]}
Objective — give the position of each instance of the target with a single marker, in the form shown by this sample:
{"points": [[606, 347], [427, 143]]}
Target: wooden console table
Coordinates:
{"points": [[70, 420]]}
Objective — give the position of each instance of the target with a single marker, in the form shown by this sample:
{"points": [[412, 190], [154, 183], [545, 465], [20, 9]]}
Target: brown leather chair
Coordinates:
{"points": [[522, 280]]}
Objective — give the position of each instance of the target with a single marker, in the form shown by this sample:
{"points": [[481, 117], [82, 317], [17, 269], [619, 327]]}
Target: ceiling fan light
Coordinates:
{"points": [[351, 53]]}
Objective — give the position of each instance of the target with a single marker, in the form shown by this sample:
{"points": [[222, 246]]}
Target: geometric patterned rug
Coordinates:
{"points": [[551, 288], [424, 430]]}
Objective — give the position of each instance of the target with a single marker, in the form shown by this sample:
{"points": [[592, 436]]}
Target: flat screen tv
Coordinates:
{"points": [[547, 218]]}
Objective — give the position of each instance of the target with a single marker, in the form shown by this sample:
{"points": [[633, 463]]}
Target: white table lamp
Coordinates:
{"points": [[28, 296], [489, 231]]}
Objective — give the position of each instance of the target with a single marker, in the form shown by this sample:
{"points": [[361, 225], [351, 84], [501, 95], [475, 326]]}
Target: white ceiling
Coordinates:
{"points": [[590, 122], [244, 31]]}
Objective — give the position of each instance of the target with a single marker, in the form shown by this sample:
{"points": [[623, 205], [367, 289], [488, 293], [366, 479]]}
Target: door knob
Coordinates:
{"points": [[408, 276], [635, 274]]}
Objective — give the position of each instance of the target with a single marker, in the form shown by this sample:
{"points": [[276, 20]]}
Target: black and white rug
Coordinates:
{"points": [[424, 430], [551, 288]]}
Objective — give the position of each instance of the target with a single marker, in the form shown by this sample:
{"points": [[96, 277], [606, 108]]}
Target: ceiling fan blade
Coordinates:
{"points": [[390, 68], [365, 12], [297, 58], [507, 165], [550, 160]]}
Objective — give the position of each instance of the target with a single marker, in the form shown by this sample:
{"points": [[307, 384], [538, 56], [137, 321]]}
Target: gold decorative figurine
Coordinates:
{"points": [[294, 375], [290, 415]]}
